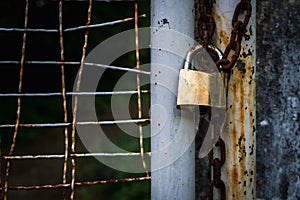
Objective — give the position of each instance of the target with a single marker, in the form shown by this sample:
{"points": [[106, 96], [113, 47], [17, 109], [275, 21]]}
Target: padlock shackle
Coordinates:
{"points": [[216, 50], [188, 57], [193, 50]]}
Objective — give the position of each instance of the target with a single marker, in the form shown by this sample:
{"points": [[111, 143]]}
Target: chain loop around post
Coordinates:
{"points": [[237, 33], [206, 27]]}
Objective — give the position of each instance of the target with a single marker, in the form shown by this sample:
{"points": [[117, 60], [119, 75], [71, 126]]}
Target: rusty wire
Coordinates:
{"points": [[32, 157], [63, 94], [12, 148], [73, 134], [71, 93], [71, 29], [86, 123], [78, 63], [67, 185], [138, 81]]}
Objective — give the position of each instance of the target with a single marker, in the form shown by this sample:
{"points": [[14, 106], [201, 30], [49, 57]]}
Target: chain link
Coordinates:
{"points": [[206, 27], [217, 163], [237, 33], [206, 23]]}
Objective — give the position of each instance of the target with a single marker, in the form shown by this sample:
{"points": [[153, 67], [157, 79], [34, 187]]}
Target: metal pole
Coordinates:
{"points": [[174, 179], [239, 170]]}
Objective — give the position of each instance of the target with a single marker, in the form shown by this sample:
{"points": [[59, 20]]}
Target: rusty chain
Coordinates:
{"points": [[237, 33], [217, 164], [206, 23], [206, 27]]}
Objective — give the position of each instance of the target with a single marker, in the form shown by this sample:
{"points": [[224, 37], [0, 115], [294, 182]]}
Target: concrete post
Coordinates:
{"points": [[175, 180]]}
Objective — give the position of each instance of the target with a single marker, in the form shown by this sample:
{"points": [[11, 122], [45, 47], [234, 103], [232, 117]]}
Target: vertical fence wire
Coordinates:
{"points": [[16, 129], [140, 114], [63, 93], [89, 13]]}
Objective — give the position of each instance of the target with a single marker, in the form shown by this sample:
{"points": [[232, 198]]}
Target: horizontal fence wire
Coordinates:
{"points": [[78, 63], [70, 151], [72, 94], [77, 123], [54, 186], [71, 29], [20, 157]]}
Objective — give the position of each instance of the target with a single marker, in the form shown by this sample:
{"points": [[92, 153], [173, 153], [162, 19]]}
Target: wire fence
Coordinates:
{"points": [[69, 157]]}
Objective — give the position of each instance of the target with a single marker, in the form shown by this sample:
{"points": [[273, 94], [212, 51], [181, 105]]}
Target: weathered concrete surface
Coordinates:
{"points": [[278, 96]]}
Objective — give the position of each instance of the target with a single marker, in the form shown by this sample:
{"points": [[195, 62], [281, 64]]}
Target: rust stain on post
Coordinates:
{"points": [[224, 38], [239, 171]]}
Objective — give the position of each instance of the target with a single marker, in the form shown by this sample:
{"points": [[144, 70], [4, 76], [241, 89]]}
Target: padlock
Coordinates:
{"points": [[200, 82]]}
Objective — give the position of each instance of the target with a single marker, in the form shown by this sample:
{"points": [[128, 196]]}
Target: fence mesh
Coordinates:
{"points": [[41, 152]]}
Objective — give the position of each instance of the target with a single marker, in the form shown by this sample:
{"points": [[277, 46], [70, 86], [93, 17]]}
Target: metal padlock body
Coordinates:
{"points": [[197, 88]]}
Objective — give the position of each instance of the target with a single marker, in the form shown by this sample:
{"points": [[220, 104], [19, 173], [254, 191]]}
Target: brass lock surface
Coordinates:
{"points": [[200, 82]]}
